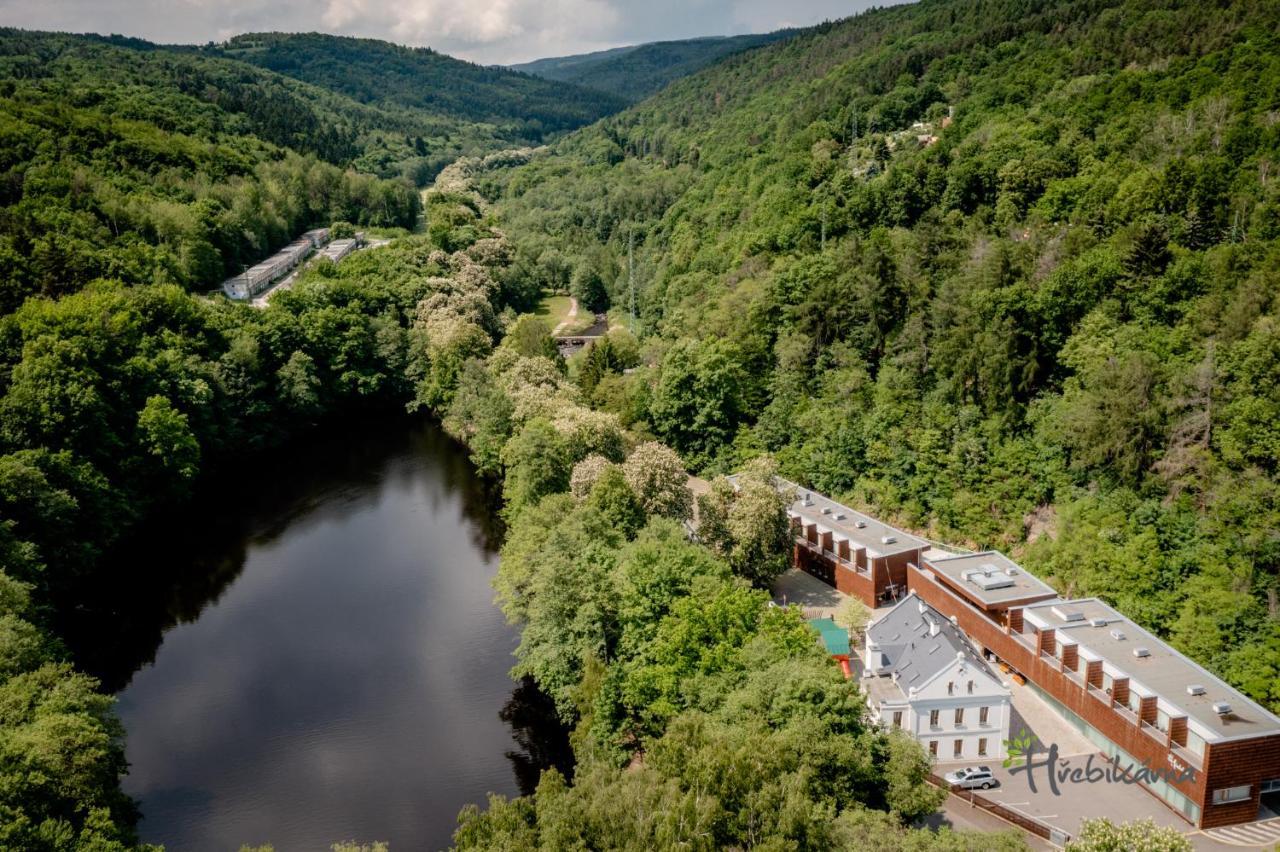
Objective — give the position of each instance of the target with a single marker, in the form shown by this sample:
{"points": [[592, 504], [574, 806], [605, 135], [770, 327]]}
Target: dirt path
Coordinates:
{"points": [[568, 318]]}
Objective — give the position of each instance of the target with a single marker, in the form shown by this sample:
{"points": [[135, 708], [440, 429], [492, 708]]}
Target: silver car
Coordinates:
{"points": [[971, 777]]}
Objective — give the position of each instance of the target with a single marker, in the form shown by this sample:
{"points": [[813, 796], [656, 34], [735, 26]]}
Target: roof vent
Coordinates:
{"points": [[955, 621], [826, 510], [840, 516], [1011, 571], [1222, 708], [889, 539], [1141, 652], [1195, 689], [1117, 635], [988, 568], [1097, 622], [1069, 615], [862, 525]]}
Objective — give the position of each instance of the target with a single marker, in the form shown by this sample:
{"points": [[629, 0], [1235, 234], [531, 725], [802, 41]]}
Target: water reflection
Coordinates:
{"points": [[313, 653], [543, 740]]}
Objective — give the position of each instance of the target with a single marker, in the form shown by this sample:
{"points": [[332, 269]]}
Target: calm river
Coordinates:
{"points": [[318, 658]]}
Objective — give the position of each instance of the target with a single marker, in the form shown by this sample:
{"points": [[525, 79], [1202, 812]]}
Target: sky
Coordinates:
{"points": [[486, 31]]}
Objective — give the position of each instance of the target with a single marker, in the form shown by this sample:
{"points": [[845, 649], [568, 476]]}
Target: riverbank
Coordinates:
{"points": [[326, 661]]}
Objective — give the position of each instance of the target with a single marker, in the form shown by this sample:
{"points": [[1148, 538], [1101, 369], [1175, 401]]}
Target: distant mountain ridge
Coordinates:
{"points": [[636, 71], [389, 75]]}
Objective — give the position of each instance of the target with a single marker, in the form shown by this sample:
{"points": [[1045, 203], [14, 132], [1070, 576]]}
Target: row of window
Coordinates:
{"points": [[935, 715], [957, 747]]}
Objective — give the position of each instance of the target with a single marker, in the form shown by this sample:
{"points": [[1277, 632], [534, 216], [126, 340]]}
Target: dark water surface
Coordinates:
{"points": [[317, 657]]}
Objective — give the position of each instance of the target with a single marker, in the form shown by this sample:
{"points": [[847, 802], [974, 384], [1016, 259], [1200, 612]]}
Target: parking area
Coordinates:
{"points": [[1072, 802], [1075, 801], [814, 597]]}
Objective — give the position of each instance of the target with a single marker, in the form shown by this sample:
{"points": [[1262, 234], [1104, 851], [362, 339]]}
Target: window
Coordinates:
{"points": [[958, 748], [933, 747], [982, 746], [982, 715], [959, 716], [1231, 794], [897, 718], [951, 688], [971, 687], [933, 718]]}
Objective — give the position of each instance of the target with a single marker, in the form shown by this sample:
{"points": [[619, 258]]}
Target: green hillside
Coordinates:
{"points": [[389, 75], [637, 71], [1050, 324], [154, 166]]}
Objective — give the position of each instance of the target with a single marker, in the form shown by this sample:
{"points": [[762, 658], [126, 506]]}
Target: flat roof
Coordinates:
{"points": [[989, 577], [1101, 631], [878, 538], [834, 637]]}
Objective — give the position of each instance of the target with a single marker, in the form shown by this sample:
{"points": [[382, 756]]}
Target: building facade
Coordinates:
{"points": [[1139, 701], [854, 552], [1136, 699], [922, 675]]}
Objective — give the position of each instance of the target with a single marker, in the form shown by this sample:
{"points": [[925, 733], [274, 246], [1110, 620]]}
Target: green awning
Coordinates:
{"points": [[835, 639]]}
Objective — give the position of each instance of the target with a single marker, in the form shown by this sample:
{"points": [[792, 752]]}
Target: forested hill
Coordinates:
{"points": [[159, 167], [1002, 270], [386, 74], [637, 71]]}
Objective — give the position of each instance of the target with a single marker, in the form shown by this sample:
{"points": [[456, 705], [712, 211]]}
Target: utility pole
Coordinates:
{"points": [[631, 271]]}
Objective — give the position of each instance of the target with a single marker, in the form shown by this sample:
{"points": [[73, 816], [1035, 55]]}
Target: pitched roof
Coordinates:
{"points": [[918, 642]]}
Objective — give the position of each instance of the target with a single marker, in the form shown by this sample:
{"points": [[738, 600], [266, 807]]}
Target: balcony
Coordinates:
{"points": [[1152, 731], [1126, 714], [1188, 757]]}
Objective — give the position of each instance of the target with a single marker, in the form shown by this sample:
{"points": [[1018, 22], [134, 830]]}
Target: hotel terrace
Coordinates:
{"points": [[1130, 694]]}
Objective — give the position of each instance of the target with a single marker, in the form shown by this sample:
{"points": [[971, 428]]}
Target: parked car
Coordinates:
{"points": [[970, 777]]}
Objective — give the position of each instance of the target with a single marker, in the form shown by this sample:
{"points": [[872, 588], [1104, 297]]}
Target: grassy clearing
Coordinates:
{"points": [[555, 309]]}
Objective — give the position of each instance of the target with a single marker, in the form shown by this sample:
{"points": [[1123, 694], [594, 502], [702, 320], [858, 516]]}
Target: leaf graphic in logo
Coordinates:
{"points": [[1017, 747]]}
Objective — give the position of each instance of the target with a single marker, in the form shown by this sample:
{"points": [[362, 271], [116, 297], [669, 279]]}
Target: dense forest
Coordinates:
{"points": [[377, 72], [1001, 270], [638, 71], [1004, 272]]}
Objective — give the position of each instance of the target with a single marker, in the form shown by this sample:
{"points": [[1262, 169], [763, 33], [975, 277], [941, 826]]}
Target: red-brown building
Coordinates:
{"points": [[1127, 692], [857, 554]]}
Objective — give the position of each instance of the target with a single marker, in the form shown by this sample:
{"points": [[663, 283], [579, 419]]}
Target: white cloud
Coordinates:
{"points": [[497, 31], [484, 28]]}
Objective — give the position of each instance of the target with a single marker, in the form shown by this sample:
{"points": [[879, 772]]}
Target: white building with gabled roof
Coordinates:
{"points": [[922, 675]]}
